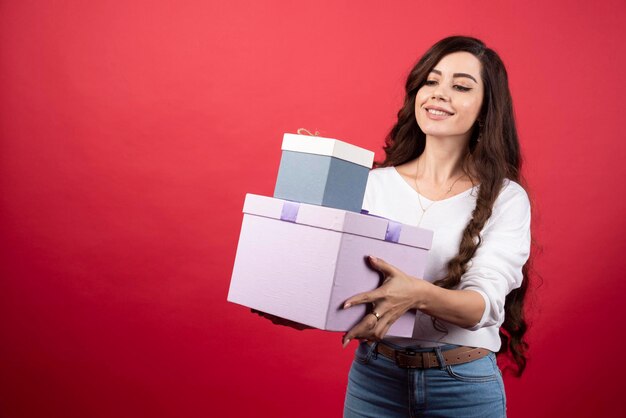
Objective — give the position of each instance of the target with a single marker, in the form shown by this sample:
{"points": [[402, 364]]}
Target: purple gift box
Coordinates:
{"points": [[301, 262]]}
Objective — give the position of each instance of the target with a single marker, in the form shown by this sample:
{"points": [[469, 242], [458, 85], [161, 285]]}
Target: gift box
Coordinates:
{"points": [[301, 262], [323, 171]]}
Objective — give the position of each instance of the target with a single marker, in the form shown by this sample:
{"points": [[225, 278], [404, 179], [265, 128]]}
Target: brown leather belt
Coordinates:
{"points": [[410, 359]]}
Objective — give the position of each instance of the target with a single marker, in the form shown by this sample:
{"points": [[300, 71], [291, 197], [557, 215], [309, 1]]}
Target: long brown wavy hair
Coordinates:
{"points": [[491, 160]]}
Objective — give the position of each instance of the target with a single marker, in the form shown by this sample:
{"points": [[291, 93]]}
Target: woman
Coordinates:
{"points": [[452, 166]]}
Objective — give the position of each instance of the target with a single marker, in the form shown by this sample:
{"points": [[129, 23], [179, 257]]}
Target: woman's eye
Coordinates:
{"points": [[456, 86]]}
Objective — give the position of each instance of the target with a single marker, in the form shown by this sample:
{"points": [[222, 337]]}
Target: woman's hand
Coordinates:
{"points": [[281, 321], [398, 293]]}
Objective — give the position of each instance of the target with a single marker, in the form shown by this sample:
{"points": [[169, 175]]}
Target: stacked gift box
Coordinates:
{"points": [[303, 252]]}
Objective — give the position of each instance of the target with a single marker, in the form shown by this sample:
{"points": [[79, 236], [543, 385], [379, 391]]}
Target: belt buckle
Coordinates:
{"points": [[406, 352]]}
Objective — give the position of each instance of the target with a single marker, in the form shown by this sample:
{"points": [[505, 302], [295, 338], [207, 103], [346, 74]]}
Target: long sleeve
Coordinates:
{"points": [[496, 268]]}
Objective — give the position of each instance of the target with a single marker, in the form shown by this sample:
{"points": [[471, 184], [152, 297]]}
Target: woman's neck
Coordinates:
{"points": [[442, 160]]}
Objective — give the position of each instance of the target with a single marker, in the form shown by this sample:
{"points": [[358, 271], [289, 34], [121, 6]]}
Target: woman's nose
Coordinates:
{"points": [[439, 93]]}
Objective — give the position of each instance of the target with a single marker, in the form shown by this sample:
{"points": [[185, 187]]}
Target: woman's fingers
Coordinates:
{"points": [[361, 330], [382, 266], [392, 299], [365, 297], [371, 327], [369, 297], [385, 322]]}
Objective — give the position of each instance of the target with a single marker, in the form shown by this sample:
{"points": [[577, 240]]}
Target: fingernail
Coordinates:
{"points": [[374, 259], [346, 342], [347, 305]]}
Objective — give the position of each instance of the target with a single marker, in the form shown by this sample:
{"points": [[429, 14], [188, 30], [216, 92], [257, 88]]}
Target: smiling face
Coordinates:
{"points": [[450, 100]]}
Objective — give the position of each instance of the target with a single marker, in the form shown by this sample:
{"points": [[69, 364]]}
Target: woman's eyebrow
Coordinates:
{"points": [[456, 75]]}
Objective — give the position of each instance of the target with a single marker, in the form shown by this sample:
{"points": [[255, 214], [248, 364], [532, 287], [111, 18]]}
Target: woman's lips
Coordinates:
{"points": [[439, 115]]}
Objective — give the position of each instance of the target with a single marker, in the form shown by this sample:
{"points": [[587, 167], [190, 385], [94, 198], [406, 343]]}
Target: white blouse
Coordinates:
{"points": [[493, 272]]}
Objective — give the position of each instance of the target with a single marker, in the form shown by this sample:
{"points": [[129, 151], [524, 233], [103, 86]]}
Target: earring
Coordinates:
{"points": [[480, 130]]}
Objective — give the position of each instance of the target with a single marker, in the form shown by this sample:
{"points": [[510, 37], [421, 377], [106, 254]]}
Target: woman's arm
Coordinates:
{"points": [[463, 308], [400, 292]]}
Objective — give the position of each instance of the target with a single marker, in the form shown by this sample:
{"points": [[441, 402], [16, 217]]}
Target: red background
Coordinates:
{"points": [[131, 130]]}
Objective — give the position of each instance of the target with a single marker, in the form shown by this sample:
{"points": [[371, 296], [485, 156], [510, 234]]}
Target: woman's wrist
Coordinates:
{"points": [[423, 294]]}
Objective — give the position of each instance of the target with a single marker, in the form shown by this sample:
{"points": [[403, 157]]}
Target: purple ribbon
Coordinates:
{"points": [[290, 211], [393, 231], [393, 228]]}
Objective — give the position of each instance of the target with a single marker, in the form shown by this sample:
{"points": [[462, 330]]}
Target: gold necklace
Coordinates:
{"points": [[419, 199]]}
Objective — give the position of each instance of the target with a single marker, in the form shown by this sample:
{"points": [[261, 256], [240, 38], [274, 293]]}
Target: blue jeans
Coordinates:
{"points": [[377, 387]]}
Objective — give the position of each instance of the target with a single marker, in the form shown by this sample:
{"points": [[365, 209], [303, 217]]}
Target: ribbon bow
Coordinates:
{"points": [[302, 131]]}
